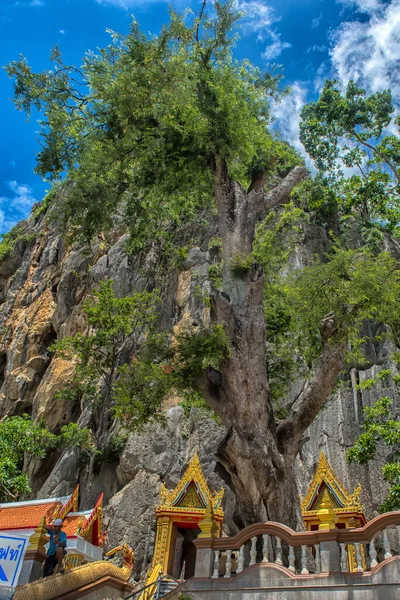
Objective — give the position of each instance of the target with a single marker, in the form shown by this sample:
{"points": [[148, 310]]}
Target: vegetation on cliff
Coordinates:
{"points": [[155, 130], [20, 438]]}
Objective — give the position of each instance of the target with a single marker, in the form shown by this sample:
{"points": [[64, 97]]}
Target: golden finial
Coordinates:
{"points": [[207, 525], [39, 538]]}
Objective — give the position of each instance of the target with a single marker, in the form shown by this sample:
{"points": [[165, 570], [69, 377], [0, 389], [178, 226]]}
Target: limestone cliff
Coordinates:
{"points": [[42, 284]]}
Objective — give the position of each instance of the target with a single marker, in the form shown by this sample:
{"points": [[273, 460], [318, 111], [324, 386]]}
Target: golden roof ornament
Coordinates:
{"points": [[39, 538]]}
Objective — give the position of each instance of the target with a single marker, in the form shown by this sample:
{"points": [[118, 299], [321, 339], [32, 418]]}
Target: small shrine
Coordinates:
{"points": [[328, 505], [84, 529], [188, 511]]}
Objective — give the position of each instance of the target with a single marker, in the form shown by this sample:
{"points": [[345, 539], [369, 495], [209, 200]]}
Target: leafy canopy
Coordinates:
{"points": [[140, 124], [357, 284], [351, 130], [169, 363], [19, 437], [381, 431], [111, 322]]}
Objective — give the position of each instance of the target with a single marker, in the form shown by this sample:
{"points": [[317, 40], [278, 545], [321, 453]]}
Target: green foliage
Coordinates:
{"points": [[139, 393], [150, 114], [349, 130], [112, 320], [167, 365], [46, 202], [215, 274], [97, 354], [16, 235], [75, 435], [381, 429], [317, 196], [356, 284], [239, 266], [19, 437]]}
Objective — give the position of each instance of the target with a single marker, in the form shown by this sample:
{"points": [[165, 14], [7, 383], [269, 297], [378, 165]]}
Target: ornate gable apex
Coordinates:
{"points": [[71, 505], [193, 484], [325, 478]]}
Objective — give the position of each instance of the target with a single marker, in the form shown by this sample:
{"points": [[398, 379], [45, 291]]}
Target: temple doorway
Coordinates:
{"points": [[184, 551], [188, 551]]}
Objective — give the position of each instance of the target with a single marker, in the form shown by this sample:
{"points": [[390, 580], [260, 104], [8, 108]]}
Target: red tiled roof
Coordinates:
{"points": [[71, 524], [28, 516]]}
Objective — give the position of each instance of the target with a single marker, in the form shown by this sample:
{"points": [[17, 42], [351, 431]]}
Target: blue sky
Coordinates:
{"points": [[312, 39]]}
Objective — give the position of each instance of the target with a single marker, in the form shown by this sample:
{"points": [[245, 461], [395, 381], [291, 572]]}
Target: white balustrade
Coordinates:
{"points": [[359, 567], [265, 548], [343, 559], [278, 560], [304, 570], [215, 574], [253, 551], [354, 555], [228, 564], [240, 566], [372, 554], [386, 544], [292, 559]]}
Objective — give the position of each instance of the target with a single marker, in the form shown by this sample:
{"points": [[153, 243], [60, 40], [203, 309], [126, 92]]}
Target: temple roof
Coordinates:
{"points": [[192, 492], [28, 514], [324, 481]]}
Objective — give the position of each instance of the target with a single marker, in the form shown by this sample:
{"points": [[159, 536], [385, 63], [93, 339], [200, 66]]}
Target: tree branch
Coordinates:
{"points": [[378, 153], [261, 201], [316, 391]]}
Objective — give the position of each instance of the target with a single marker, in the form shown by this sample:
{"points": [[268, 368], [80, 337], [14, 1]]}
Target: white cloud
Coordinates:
{"points": [[316, 21], [259, 19], [37, 3], [287, 117], [16, 206], [62, 31], [364, 6], [317, 48], [276, 46], [369, 51]]}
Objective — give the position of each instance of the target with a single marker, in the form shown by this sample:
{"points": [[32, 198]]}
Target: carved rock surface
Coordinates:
{"points": [[42, 286]]}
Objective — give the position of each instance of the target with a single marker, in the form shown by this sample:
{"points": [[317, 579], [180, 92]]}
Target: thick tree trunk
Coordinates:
{"points": [[257, 456]]}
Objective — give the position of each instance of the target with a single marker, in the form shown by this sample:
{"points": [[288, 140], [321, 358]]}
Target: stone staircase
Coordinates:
{"points": [[167, 586]]}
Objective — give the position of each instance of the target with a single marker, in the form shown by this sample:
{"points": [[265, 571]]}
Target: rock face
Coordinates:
{"points": [[42, 285]]}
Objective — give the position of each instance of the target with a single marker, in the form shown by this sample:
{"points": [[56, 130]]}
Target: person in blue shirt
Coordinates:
{"points": [[56, 550]]}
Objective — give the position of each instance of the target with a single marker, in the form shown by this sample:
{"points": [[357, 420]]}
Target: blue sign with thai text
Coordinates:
{"points": [[12, 551]]}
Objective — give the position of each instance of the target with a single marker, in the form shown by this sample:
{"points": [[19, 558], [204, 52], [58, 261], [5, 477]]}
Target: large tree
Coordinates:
{"points": [[157, 128]]}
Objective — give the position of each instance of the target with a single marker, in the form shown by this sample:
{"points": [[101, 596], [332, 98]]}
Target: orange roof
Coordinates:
{"points": [[27, 515], [71, 524]]}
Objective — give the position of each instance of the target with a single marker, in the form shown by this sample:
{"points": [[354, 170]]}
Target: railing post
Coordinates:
{"points": [[292, 559], [265, 547], [240, 566], [343, 559], [359, 567], [228, 564], [304, 570], [278, 560], [253, 551], [330, 557], [386, 544], [372, 554], [215, 574]]}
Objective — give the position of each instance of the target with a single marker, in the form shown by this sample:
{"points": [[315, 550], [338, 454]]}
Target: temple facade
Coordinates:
{"points": [[188, 511], [84, 529]]}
